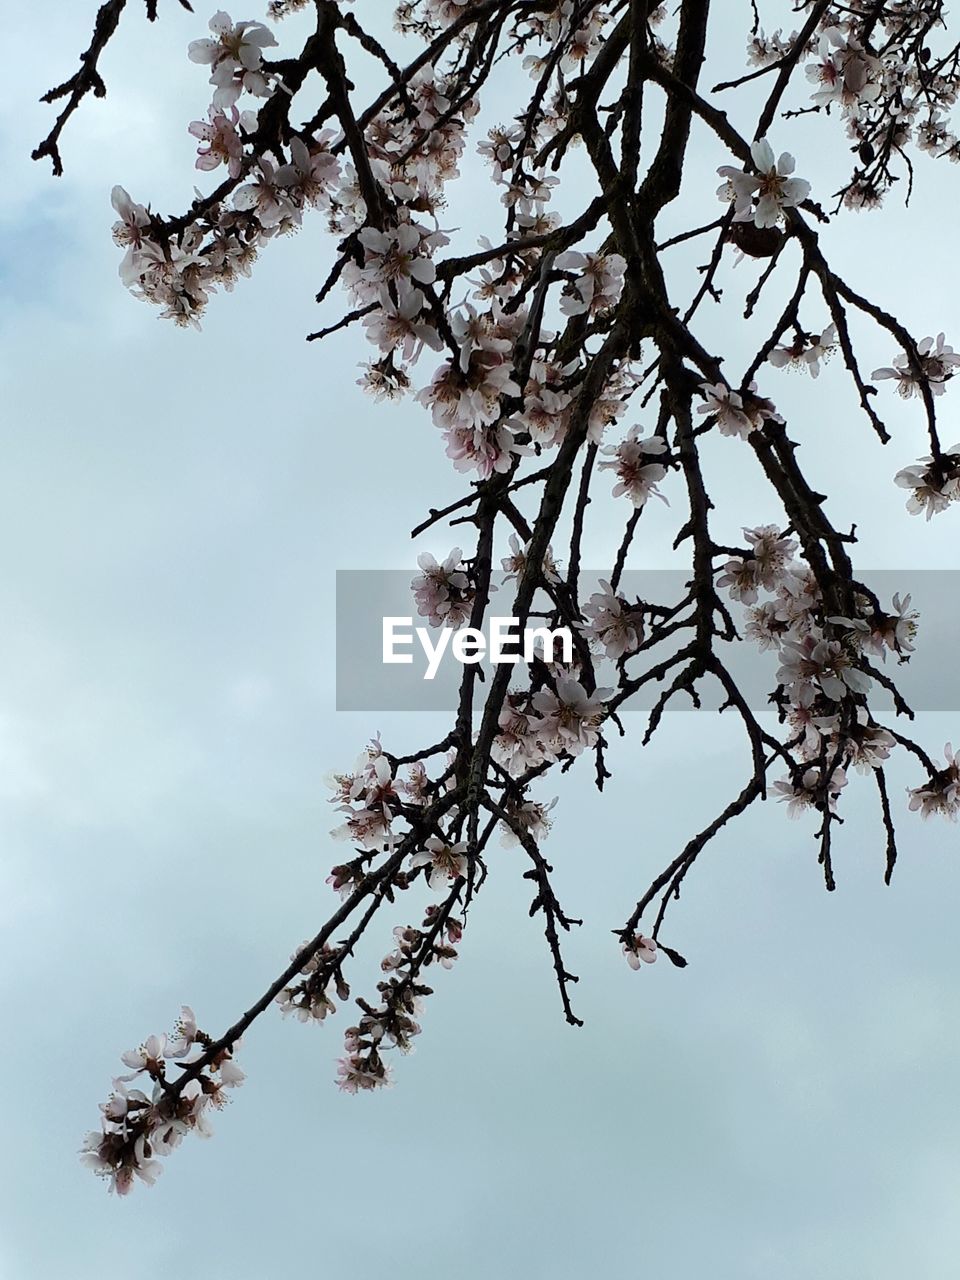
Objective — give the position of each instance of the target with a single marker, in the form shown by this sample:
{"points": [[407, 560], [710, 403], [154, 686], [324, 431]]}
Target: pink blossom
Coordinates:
{"points": [[598, 285], [223, 145], [637, 468], [570, 717], [772, 186], [447, 862]]}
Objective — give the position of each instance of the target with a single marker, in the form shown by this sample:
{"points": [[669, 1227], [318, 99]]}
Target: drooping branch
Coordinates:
{"points": [[552, 343]]}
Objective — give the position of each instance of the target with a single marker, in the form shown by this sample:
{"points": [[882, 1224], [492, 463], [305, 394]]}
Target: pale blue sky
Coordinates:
{"points": [[173, 508]]}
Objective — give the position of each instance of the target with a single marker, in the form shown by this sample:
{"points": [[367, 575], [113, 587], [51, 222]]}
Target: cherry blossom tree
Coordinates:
{"points": [[548, 355]]}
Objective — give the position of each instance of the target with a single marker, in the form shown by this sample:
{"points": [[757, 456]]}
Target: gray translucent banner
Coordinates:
{"points": [[930, 681]]}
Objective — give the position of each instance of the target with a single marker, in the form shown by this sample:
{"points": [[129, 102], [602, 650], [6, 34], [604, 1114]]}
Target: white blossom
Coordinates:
{"points": [[771, 186], [934, 485], [807, 351], [809, 791], [635, 462], [446, 862], [235, 56], [570, 717]]}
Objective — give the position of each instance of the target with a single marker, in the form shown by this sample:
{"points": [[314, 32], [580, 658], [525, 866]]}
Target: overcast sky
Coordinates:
{"points": [[174, 508]]}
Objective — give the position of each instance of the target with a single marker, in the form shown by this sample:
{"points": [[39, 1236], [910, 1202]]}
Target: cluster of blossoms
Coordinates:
{"points": [[637, 465], [806, 351], [139, 1127], [548, 725], [515, 563], [443, 593], [764, 50], [528, 819], [549, 393], [874, 64], [308, 1000], [941, 795], [468, 392], [765, 565], [412, 150], [392, 1024], [466, 395], [178, 274], [736, 413], [822, 684], [179, 271], [843, 73], [370, 800], [374, 800], [598, 283], [934, 368], [612, 624], [546, 402], [811, 788], [235, 56], [934, 482], [572, 27], [566, 22]]}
